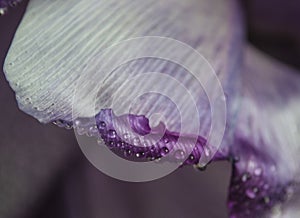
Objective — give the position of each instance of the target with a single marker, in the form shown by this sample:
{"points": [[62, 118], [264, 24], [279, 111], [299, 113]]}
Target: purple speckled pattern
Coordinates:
{"points": [[253, 194], [254, 188]]}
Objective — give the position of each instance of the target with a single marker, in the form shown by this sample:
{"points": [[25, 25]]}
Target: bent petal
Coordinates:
{"points": [[57, 41], [267, 140]]}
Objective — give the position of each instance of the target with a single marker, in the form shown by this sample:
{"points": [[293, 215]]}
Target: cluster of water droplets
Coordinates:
{"points": [[138, 147], [128, 146], [254, 191]]}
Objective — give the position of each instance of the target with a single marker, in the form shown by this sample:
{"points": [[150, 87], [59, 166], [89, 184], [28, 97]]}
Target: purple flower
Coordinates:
{"points": [[56, 41]]}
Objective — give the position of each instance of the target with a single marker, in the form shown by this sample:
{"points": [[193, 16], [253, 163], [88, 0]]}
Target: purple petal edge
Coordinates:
{"points": [[160, 142]]}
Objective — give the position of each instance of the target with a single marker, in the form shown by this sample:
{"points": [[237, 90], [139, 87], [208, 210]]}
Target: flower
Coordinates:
{"points": [[57, 40]]}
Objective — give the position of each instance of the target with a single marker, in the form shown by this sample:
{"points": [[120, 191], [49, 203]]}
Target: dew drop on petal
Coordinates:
{"points": [[140, 154], [27, 100], [93, 130], [245, 177], [112, 134], [206, 151], [2, 11], [102, 125], [166, 140], [111, 144], [191, 157], [157, 160], [179, 154], [250, 193], [258, 171], [127, 152], [126, 136], [164, 151], [136, 142]]}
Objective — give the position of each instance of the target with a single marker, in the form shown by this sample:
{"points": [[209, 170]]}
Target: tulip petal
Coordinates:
{"points": [[56, 41]]}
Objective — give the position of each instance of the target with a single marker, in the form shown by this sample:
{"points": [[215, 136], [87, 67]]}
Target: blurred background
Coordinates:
{"points": [[43, 173]]}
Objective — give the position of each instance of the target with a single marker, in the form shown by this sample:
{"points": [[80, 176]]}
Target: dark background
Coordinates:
{"points": [[43, 173]]}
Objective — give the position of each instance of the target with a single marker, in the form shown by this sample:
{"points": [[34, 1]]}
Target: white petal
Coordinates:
{"points": [[57, 39]]}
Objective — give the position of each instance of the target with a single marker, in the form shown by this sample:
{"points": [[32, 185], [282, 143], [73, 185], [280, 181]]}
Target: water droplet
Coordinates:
{"points": [[59, 123], [102, 125], [191, 157], [257, 171], [27, 100], [93, 130], [2, 11], [152, 158], [152, 149], [250, 193], [164, 151], [166, 140], [80, 130], [14, 4], [127, 152], [111, 144], [206, 151], [146, 144], [136, 142], [245, 177], [140, 154], [179, 154], [126, 136], [119, 144], [157, 160], [111, 134], [123, 145], [68, 126], [77, 122]]}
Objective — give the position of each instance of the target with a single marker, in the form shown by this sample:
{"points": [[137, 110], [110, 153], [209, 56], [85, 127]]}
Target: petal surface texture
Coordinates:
{"points": [[57, 40]]}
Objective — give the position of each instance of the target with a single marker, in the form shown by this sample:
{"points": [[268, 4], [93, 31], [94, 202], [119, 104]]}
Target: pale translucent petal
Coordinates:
{"points": [[56, 40]]}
